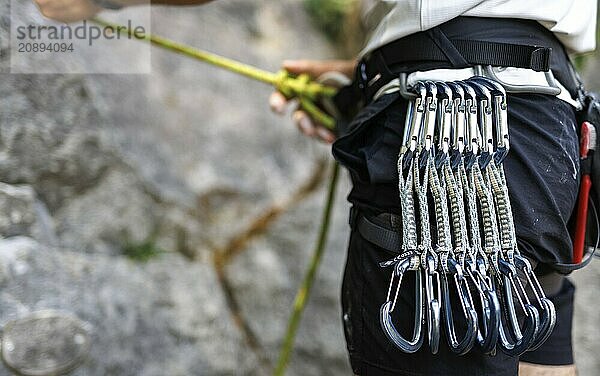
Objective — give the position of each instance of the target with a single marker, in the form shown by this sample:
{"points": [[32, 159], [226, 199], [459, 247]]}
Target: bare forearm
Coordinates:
{"points": [[77, 10]]}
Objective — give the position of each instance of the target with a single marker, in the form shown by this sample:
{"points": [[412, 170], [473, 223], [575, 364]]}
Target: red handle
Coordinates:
{"points": [[582, 210]]}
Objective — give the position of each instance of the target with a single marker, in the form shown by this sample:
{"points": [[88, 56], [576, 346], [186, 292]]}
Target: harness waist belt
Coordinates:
{"points": [[474, 52], [460, 43]]}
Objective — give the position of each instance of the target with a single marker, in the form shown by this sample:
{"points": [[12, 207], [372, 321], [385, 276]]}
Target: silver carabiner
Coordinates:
{"points": [[465, 344], [485, 111], [548, 311], [428, 131], [500, 116], [404, 262], [515, 340], [513, 262], [433, 305], [407, 345], [412, 125], [444, 122], [472, 133], [406, 145], [459, 131], [490, 305]]}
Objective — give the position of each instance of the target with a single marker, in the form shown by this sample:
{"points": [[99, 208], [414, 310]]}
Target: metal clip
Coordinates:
{"points": [[490, 305], [500, 116], [444, 123], [428, 131], [484, 108], [472, 127], [408, 122], [459, 131], [548, 312], [415, 115], [407, 345], [517, 340], [432, 283], [465, 344]]}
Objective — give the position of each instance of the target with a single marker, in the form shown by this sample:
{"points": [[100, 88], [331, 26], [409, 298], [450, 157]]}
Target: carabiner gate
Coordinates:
{"points": [[500, 116], [407, 345], [548, 311], [465, 344], [515, 340], [432, 283], [490, 305], [484, 109], [444, 122]]}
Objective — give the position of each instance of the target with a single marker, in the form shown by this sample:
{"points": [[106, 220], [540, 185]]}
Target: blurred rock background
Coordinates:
{"points": [[175, 213]]}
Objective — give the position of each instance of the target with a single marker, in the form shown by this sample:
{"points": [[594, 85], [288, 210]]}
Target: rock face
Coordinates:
{"points": [[188, 162], [185, 164]]}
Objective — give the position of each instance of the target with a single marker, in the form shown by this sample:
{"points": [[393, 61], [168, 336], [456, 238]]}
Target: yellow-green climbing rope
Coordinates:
{"points": [[309, 277], [307, 92]]}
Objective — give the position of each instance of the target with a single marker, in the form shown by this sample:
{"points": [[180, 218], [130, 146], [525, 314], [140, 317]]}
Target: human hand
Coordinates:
{"points": [[314, 69], [68, 10]]}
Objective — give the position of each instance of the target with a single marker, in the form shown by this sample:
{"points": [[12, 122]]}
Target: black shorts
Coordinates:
{"points": [[543, 178]]}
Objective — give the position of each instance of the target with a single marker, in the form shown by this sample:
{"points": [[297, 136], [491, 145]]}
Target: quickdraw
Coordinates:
{"points": [[455, 140]]}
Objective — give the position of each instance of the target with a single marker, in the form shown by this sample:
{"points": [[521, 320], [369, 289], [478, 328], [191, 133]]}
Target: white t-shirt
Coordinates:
{"points": [[572, 21]]}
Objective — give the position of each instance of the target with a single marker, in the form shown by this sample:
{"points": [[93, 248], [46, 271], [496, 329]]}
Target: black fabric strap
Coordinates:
{"points": [[381, 236], [474, 52], [447, 47]]}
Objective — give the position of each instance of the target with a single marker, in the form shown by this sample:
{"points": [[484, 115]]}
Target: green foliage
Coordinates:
{"points": [[142, 252], [580, 61], [330, 15]]}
